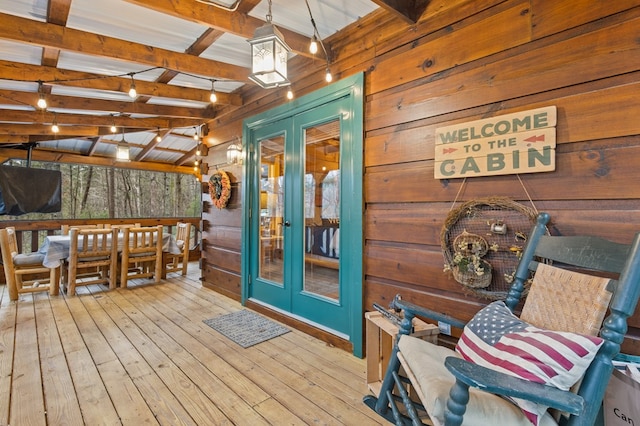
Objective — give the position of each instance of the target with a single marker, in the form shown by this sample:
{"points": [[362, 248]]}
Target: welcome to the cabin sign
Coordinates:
{"points": [[522, 142]]}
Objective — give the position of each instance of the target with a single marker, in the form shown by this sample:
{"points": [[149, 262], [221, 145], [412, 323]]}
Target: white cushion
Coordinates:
{"points": [[28, 259], [432, 380]]}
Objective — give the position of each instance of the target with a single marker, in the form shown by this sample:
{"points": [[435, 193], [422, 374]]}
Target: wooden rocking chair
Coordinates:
{"points": [[560, 320]]}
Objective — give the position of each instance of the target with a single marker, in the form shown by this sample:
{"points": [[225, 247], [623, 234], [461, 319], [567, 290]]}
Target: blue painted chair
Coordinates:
{"points": [[482, 381]]}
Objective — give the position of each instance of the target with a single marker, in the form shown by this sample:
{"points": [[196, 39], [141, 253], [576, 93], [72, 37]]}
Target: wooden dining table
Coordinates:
{"points": [[56, 249]]}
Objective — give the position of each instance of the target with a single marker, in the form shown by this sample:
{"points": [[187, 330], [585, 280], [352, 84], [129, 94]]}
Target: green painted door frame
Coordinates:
{"points": [[347, 97]]}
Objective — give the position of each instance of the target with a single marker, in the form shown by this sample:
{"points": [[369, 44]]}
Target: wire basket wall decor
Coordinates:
{"points": [[489, 234], [468, 266]]}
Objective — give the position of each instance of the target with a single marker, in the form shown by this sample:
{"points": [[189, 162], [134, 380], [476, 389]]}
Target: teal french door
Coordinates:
{"points": [[302, 243]]}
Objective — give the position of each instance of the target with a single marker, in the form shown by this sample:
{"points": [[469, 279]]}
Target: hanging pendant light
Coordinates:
{"points": [[122, 150], [269, 55]]}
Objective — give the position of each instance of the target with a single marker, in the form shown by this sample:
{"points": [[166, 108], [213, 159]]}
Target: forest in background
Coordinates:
{"points": [[95, 192]]}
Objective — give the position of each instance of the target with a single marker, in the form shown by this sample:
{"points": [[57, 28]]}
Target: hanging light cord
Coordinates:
{"points": [[269, 16], [315, 31]]}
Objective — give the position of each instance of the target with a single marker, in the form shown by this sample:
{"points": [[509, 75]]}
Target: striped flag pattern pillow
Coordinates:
{"points": [[497, 339]]}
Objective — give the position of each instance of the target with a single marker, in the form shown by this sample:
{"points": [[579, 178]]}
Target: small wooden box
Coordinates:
{"points": [[381, 335]]}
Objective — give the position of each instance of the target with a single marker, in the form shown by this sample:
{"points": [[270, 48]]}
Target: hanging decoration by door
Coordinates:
{"points": [[482, 241], [220, 189]]}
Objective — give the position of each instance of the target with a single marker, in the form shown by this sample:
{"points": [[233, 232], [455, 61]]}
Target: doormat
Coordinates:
{"points": [[246, 328]]}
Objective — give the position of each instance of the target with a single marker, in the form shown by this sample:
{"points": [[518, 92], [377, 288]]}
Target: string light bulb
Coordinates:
{"points": [[113, 125], [289, 93], [54, 125], [42, 102], [315, 40], [132, 89], [327, 76], [158, 137], [213, 97], [313, 46], [198, 151]]}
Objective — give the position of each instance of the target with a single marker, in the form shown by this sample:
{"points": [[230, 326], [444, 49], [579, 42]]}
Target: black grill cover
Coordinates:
{"points": [[26, 190]]}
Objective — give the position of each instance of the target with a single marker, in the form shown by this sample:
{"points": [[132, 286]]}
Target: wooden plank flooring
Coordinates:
{"points": [[143, 356]]}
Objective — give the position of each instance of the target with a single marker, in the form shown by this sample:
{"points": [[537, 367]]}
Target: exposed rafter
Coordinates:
{"points": [[237, 23], [173, 87], [409, 10]]}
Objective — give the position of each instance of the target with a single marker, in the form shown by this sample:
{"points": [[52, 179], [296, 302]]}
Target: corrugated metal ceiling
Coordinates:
{"points": [[124, 20]]}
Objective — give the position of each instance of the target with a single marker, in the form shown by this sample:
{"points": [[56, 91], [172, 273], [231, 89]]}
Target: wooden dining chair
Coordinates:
{"points": [[23, 270], [141, 247], [64, 229], [124, 226], [92, 250], [180, 262]]}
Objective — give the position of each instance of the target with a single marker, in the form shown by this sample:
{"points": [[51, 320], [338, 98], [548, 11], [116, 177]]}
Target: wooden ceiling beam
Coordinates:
{"points": [[12, 97], [50, 35], [46, 117], [152, 145], [40, 154], [58, 11], [238, 23], [45, 130], [54, 76], [247, 6], [205, 40], [13, 139], [409, 11], [188, 156]]}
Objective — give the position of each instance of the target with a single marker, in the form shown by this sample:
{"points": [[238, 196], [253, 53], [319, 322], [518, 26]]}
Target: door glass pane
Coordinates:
{"points": [[272, 209], [322, 210]]}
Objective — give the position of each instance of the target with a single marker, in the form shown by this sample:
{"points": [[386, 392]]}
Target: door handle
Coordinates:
{"points": [[287, 223]]}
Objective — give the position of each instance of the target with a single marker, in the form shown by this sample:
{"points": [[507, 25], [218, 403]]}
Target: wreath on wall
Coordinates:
{"points": [[482, 241], [220, 189]]}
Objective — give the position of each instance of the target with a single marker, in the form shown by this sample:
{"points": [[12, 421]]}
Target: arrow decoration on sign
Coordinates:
{"points": [[535, 139], [449, 150]]}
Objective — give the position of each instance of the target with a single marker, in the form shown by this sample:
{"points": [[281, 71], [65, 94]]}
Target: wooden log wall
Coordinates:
{"points": [[221, 230], [467, 60]]}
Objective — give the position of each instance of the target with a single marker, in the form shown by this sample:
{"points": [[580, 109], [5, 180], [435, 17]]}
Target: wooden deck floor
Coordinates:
{"points": [[143, 356]]}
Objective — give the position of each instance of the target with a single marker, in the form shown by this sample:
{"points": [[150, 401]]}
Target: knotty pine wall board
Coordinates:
{"points": [[451, 67]]}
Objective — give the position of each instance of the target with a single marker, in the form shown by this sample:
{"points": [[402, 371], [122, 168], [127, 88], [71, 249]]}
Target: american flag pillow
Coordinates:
{"points": [[497, 339]]}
